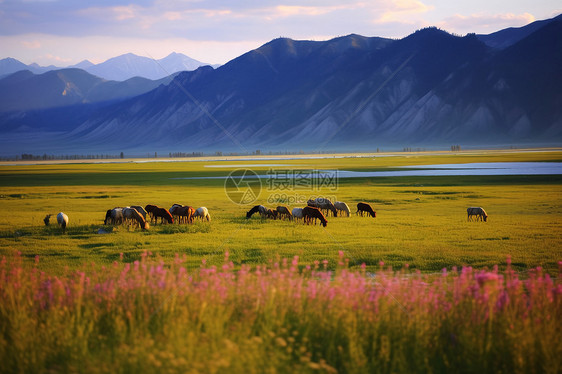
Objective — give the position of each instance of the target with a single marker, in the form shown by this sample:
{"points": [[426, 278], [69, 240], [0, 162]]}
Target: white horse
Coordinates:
{"points": [[341, 206], [297, 213], [202, 213], [62, 219]]}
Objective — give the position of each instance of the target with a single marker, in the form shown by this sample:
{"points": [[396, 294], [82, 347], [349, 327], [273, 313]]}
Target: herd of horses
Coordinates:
{"points": [[137, 215], [316, 210]]}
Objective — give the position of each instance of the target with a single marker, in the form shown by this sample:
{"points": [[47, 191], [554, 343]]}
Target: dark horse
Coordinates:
{"points": [[252, 211], [310, 213], [263, 211], [157, 212], [365, 208]]}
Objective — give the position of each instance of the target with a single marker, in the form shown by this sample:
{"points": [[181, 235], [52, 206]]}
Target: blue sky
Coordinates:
{"points": [[66, 32]]}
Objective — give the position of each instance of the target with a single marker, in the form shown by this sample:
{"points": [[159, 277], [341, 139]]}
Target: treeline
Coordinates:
{"points": [[46, 157]]}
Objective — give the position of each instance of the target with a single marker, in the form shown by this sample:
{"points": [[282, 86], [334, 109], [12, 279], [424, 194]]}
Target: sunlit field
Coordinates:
{"points": [[418, 288]]}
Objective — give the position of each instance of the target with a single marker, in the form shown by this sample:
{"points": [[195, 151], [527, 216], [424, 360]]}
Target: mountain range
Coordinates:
{"points": [[118, 68], [430, 89]]}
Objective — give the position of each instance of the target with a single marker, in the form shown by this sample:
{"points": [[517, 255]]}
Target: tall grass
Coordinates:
{"points": [[152, 316]]}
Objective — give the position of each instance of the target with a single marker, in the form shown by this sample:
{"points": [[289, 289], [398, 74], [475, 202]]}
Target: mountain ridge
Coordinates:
{"points": [[429, 89]]}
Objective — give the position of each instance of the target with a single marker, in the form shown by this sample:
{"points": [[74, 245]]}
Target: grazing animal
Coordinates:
{"points": [[140, 209], [62, 220], [283, 211], [297, 213], [117, 216], [310, 214], [156, 212], [365, 208], [202, 213], [132, 215], [251, 212], [108, 219], [184, 213], [149, 210], [267, 213], [342, 207], [46, 219], [263, 211], [479, 212], [173, 208], [323, 204]]}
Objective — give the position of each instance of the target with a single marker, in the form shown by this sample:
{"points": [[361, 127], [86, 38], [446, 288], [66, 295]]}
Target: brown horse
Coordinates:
{"points": [[283, 211], [132, 215], [156, 212], [365, 208], [323, 204], [184, 214], [310, 213]]}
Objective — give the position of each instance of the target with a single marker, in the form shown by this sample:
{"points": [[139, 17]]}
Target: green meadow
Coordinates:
{"points": [[421, 221]]}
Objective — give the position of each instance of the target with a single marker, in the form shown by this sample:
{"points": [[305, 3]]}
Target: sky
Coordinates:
{"points": [[65, 32]]}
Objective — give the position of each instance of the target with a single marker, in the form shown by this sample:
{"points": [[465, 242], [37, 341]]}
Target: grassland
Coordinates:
{"points": [[253, 296], [421, 221]]}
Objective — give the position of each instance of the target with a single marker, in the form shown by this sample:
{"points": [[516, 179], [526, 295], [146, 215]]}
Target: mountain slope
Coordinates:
{"points": [[430, 88], [350, 93], [26, 91], [507, 37]]}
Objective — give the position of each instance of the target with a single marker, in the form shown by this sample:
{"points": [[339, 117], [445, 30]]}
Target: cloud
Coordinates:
{"points": [[402, 11], [34, 44], [484, 23]]}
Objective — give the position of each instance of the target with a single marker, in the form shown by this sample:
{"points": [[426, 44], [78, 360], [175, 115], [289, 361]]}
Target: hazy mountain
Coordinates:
{"points": [[11, 65], [60, 100], [24, 90], [130, 65], [85, 64], [118, 68], [428, 89]]}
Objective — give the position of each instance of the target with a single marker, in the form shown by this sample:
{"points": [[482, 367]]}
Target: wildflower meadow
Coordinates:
{"points": [[153, 315]]}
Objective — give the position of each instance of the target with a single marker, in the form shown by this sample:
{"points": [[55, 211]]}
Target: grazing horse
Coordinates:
{"points": [[342, 207], [140, 209], [46, 219], [310, 214], [107, 219], [323, 204], [202, 213], [263, 211], [297, 213], [173, 208], [283, 211], [62, 220], [184, 213], [251, 212], [132, 215], [117, 216], [365, 208], [479, 212], [156, 212], [267, 213]]}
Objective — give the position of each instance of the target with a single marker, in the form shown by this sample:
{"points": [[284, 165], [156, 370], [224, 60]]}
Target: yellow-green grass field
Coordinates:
{"points": [[421, 221]]}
